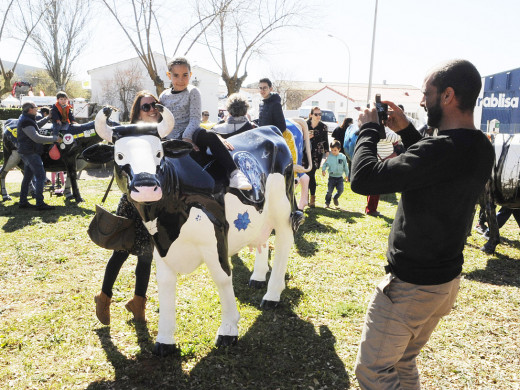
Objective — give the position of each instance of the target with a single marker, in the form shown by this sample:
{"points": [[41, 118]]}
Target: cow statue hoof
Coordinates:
{"points": [[258, 284], [226, 341], [5, 198], [489, 248], [269, 304], [79, 199], [163, 350]]}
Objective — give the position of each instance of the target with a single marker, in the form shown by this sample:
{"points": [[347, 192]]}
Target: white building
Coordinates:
{"points": [[338, 97], [206, 81]]}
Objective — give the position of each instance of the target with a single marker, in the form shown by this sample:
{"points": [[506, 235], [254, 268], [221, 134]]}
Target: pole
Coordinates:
{"points": [[372, 58]]}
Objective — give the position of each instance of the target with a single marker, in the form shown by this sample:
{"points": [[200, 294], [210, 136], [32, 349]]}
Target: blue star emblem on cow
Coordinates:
{"points": [[242, 221]]}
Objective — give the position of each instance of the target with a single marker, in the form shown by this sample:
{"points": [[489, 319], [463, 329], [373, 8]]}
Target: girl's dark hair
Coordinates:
{"points": [[179, 61], [136, 105], [346, 123]]}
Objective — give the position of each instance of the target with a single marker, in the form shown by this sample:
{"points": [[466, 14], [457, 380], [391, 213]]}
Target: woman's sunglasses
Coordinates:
{"points": [[148, 106]]}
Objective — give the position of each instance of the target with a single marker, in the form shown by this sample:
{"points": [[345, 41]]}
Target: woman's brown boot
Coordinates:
{"points": [[312, 203], [103, 307], [136, 306]]}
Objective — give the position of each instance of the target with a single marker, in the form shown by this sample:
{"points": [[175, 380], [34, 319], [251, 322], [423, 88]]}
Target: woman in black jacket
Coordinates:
{"points": [[319, 138]]}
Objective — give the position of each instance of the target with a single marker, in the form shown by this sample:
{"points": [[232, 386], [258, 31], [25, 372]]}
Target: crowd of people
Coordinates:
{"points": [[439, 178]]}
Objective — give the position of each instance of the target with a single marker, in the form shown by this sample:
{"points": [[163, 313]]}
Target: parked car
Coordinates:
{"points": [[327, 116]]}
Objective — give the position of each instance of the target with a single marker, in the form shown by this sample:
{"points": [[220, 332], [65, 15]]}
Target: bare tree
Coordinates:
{"points": [[61, 37], [143, 27], [240, 30], [28, 18], [122, 88]]}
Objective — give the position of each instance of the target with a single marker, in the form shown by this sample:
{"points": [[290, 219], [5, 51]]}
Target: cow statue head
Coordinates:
{"points": [[137, 152]]}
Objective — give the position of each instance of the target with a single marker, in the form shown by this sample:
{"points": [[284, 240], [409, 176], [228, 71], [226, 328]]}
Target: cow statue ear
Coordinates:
{"points": [[98, 154], [176, 148]]}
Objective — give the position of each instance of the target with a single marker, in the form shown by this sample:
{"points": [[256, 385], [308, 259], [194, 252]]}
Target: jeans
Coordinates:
{"points": [[334, 183], [33, 166]]}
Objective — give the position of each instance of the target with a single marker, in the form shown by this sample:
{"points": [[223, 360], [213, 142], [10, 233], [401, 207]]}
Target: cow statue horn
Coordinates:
{"points": [[102, 128], [168, 121]]}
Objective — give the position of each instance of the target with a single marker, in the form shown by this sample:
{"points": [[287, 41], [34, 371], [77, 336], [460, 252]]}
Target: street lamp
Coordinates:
{"points": [[348, 52]]}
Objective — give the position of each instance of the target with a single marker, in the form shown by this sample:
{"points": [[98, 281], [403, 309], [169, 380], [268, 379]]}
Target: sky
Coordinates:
{"points": [[411, 37]]}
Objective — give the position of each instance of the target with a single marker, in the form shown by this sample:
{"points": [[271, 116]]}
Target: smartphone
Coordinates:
{"points": [[382, 109]]}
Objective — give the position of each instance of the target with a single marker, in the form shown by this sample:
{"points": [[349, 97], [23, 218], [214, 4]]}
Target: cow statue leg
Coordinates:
{"points": [[12, 161], [72, 174], [259, 277], [283, 242], [227, 333], [280, 212], [166, 286], [67, 192]]}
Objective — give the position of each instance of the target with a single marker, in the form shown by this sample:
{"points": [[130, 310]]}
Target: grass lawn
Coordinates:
{"points": [[50, 337]]}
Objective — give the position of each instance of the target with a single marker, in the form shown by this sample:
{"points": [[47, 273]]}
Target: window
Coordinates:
{"points": [[315, 103], [331, 105]]}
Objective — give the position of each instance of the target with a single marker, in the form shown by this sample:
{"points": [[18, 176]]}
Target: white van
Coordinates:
{"points": [[327, 117]]}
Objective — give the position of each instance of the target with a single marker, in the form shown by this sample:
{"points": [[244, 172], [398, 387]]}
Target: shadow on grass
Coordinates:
{"points": [[19, 218], [279, 351], [307, 248], [389, 198], [500, 270], [145, 371]]}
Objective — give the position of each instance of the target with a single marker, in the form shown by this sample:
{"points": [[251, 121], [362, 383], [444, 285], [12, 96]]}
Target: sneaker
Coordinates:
{"points": [[44, 206], [336, 202], [26, 205], [239, 180]]}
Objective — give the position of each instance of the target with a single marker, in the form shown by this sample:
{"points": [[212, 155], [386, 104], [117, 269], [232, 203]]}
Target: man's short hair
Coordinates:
{"points": [[44, 110], [205, 113], [179, 61], [267, 81], [335, 144], [61, 94], [463, 77], [27, 106], [237, 105]]}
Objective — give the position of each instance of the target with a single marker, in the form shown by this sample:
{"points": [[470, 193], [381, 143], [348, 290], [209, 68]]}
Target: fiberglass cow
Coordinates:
{"points": [[75, 139], [194, 218], [504, 186]]}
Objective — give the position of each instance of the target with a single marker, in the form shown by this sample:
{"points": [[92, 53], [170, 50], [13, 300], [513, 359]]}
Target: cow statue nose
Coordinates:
{"points": [[145, 188]]}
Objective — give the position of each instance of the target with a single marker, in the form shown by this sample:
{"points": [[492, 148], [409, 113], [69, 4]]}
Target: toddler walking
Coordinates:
{"points": [[336, 163]]}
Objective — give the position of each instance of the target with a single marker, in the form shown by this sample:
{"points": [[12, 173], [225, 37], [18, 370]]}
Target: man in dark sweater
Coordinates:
{"points": [[30, 149], [440, 179], [271, 112]]}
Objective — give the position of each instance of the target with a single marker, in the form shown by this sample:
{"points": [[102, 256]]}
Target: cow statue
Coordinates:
{"points": [[194, 218], [504, 186], [75, 139]]}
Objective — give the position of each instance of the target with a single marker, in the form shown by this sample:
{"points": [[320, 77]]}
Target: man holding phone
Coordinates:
{"points": [[440, 179]]}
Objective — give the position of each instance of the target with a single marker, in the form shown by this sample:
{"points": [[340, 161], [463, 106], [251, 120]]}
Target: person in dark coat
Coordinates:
{"points": [[271, 112], [339, 132]]}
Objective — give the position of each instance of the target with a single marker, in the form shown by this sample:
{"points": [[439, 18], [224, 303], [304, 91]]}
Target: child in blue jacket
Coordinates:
{"points": [[336, 163]]}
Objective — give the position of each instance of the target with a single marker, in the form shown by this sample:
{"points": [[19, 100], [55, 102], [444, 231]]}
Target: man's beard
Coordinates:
{"points": [[435, 114]]}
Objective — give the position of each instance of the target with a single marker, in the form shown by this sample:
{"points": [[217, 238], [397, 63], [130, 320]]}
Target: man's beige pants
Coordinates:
{"points": [[399, 321]]}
